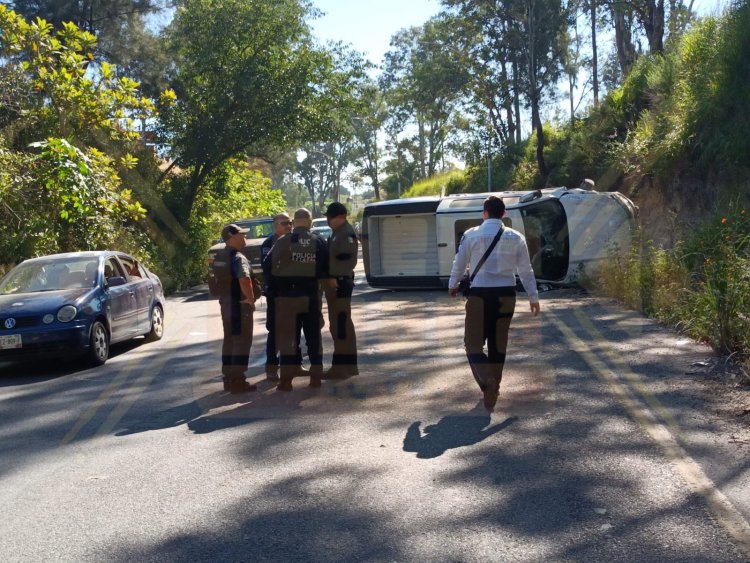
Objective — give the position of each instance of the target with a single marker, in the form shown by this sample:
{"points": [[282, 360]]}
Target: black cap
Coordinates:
{"points": [[231, 230], [335, 209]]}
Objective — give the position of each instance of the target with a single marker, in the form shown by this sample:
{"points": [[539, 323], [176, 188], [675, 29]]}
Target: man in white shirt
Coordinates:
{"points": [[492, 295]]}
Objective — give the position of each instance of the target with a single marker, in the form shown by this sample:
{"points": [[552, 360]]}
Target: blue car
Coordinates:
{"points": [[78, 303]]}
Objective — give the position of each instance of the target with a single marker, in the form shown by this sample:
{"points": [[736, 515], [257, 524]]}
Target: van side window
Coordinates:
{"points": [[463, 225]]}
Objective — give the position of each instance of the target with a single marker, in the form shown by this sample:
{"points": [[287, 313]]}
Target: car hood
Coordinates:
{"points": [[43, 301]]}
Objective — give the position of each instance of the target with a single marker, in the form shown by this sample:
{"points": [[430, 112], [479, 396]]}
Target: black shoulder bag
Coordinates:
{"points": [[465, 284]]}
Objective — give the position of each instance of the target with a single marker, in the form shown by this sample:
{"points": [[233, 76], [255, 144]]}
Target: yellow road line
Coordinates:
{"points": [[140, 385], [90, 412], [101, 400], [718, 504], [634, 379]]}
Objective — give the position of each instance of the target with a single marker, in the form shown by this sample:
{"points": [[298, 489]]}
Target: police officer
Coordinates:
{"points": [[342, 252], [492, 295], [237, 302], [297, 261], [282, 225]]}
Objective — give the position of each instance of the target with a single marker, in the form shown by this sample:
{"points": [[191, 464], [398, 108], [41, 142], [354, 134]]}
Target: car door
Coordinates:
{"points": [[123, 313], [143, 291]]}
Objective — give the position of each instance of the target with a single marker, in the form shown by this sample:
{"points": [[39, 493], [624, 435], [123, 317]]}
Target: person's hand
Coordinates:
{"points": [[535, 309], [453, 292], [249, 303]]}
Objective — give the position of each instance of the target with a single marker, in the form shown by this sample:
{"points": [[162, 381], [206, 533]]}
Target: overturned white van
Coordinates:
{"points": [[410, 243]]}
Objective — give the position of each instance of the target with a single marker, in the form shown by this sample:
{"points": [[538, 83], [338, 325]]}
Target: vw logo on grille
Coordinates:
{"points": [[10, 323]]}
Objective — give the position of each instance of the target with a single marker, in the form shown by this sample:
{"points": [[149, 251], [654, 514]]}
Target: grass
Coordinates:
{"points": [[701, 287]]}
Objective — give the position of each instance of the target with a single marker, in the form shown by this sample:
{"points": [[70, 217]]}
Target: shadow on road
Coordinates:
{"points": [[452, 431]]}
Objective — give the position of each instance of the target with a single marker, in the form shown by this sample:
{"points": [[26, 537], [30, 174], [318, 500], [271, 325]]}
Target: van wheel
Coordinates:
{"points": [[157, 324], [98, 344]]}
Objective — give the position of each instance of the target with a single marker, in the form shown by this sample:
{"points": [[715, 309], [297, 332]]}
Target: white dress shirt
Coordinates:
{"points": [[509, 257]]}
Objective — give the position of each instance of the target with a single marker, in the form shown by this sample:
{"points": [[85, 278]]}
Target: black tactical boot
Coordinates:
{"points": [[238, 385]]}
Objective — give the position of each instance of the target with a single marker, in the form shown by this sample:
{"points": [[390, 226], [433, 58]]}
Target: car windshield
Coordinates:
{"points": [[322, 222], [50, 275]]}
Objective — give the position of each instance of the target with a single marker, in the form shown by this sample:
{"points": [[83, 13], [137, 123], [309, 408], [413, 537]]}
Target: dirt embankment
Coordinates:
{"points": [[669, 211]]}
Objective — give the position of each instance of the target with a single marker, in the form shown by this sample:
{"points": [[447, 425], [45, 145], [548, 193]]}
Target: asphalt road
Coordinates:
{"points": [[599, 449]]}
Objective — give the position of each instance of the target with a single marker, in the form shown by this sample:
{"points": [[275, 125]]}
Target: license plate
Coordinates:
{"points": [[9, 341]]}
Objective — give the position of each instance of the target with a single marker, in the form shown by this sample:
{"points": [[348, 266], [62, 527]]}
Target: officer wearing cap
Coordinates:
{"points": [[342, 253], [237, 302], [297, 261], [282, 225]]}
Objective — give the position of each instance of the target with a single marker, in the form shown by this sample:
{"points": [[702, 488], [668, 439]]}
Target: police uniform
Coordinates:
{"points": [[297, 261], [229, 267], [342, 252], [272, 352]]}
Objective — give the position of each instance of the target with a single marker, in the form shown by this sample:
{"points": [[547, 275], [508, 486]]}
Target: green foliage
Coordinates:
{"points": [[249, 78], [235, 191], [436, 184], [699, 287], [59, 191], [68, 102]]}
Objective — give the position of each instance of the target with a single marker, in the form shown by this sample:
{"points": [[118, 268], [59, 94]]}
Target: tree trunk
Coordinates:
{"points": [[652, 20], [537, 123], [422, 156], [507, 105], [594, 60], [626, 53], [571, 87], [517, 101]]}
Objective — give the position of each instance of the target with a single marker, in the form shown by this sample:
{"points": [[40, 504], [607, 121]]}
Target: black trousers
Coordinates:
{"points": [[489, 311], [296, 314], [340, 323], [237, 321]]}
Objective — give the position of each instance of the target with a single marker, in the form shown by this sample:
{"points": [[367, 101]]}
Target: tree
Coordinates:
{"points": [[367, 125], [61, 187], [424, 80], [248, 79], [121, 28], [486, 36]]}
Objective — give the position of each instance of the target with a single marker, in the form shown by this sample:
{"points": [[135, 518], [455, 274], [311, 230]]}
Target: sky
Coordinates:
{"points": [[368, 25]]}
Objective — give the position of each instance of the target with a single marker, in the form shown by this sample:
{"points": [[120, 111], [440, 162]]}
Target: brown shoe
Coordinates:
{"points": [[241, 386], [491, 391]]}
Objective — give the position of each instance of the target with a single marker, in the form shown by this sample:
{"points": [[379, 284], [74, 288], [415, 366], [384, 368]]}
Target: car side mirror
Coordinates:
{"points": [[114, 281]]}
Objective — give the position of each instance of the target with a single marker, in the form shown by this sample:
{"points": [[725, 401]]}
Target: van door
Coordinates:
{"points": [[408, 245], [452, 226]]}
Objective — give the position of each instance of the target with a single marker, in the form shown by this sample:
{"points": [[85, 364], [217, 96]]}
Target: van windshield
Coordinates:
{"points": [[546, 229]]}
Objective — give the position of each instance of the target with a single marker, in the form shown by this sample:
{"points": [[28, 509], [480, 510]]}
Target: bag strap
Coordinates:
{"points": [[487, 252]]}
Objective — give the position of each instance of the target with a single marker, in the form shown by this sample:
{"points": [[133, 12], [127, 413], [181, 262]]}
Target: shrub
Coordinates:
{"points": [[699, 287], [235, 191], [436, 184]]}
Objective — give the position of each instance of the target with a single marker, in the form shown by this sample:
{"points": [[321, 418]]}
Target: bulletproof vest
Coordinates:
{"points": [[221, 272], [297, 257]]}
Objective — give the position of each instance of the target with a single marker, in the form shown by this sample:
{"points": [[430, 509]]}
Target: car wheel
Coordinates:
{"points": [[99, 344], [157, 324]]}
